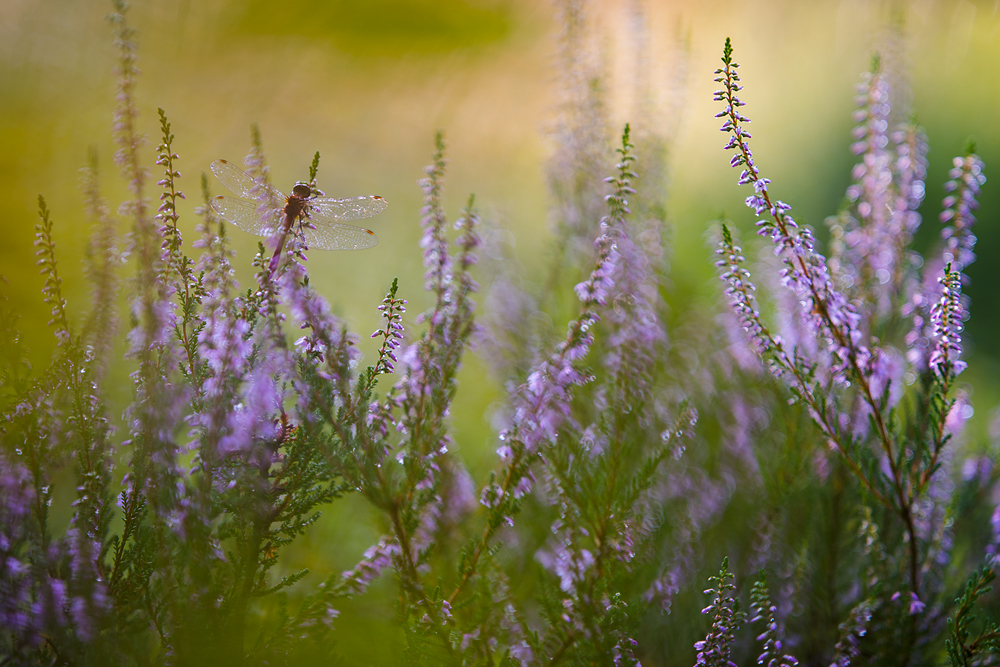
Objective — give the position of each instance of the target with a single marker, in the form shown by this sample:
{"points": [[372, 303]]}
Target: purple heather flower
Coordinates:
{"points": [[126, 112], [580, 132], [542, 402], [918, 340], [224, 345], [851, 631], [510, 621], [506, 309], [158, 407], [460, 498], [414, 380], [716, 648], [959, 414], [928, 304], [967, 179], [427, 525], [663, 589], [740, 291], [260, 400], [911, 170], [468, 638], [637, 331], [564, 559], [468, 240], [871, 255], [805, 272], [792, 329], [258, 169], [441, 611], [946, 319], [427, 367], [269, 209], [993, 548], [437, 258], [491, 495], [89, 600], [103, 257], [978, 470], [16, 499], [916, 606], [596, 289], [49, 609], [392, 310], [376, 558], [771, 653], [739, 352], [327, 338], [521, 652]]}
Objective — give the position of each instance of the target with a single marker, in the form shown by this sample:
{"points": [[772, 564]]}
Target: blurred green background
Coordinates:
{"points": [[368, 83]]}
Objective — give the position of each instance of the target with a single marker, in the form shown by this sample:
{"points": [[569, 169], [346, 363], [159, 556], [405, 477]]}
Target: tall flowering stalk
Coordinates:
{"points": [[394, 448], [602, 472], [805, 271], [597, 466], [154, 492], [764, 611], [103, 258], [959, 214], [853, 379], [716, 649], [946, 317], [868, 266], [581, 132]]}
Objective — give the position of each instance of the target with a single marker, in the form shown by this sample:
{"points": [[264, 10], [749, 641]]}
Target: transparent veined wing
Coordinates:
{"points": [[240, 212], [325, 213], [239, 182], [322, 215], [325, 235], [334, 236], [328, 209]]}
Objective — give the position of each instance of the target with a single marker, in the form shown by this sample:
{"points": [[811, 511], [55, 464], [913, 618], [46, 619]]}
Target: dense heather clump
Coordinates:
{"points": [[822, 454], [881, 396]]}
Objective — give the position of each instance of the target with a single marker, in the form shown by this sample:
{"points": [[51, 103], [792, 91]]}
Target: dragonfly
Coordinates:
{"points": [[319, 218]]}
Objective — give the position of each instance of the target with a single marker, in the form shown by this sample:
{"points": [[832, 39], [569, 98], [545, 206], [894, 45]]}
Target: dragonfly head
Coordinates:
{"points": [[302, 190]]}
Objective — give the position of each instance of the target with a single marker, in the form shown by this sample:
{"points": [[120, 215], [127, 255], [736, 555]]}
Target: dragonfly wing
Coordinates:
{"points": [[240, 182], [327, 209], [240, 212], [333, 236]]}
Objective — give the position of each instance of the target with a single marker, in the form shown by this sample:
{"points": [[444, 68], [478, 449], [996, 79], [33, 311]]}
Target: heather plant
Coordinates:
{"points": [[235, 436], [874, 365], [634, 445]]}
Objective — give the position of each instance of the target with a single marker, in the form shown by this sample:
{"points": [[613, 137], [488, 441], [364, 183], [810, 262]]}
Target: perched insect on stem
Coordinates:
{"points": [[319, 218]]}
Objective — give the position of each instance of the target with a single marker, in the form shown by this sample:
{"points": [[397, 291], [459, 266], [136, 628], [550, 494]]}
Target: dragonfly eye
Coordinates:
{"points": [[301, 190]]}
